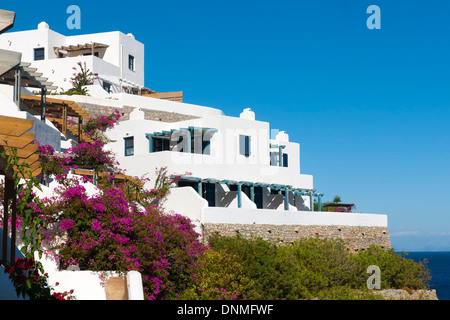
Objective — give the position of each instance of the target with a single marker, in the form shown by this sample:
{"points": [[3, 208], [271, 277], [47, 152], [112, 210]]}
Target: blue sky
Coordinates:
{"points": [[370, 108]]}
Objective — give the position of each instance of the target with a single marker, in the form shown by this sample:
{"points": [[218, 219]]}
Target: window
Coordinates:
{"points": [[273, 158], [259, 197], [39, 54], [161, 144], [244, 145], [129, 146], [107, 86], [285, 160], [131, 62], [206, 147]]}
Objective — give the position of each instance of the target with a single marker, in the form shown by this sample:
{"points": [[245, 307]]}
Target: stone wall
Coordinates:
{"points": [[156, 115], [407, 294], [356, 237]]}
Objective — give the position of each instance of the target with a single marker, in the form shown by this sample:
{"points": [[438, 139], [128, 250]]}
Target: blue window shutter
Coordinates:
{"points": [[129, 146], [247, 145], [285, 160], [244, 145]]}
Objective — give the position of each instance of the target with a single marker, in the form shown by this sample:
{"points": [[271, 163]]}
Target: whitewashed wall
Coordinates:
{"points": [[225, 160], [275, 217], [113, 60]]}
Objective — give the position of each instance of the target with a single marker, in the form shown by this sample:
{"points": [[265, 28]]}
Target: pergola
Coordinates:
{"points": [[57, 111], [116, 177], [79, 47], [185, 132], [22, 75], [14, 136], [280, 187]]}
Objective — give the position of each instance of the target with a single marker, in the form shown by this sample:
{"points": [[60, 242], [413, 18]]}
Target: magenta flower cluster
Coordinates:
{"points": [[93, 154], [121, 228], [109, 232], [80, 79], [101, 122]]}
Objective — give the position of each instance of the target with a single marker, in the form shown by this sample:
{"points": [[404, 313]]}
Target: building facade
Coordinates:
{"points": [[236, 171], [116, 57]]}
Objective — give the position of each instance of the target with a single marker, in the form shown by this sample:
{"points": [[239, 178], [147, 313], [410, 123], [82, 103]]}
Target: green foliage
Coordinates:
{"points": [[311, 268], [29, 208], [397, 271]]}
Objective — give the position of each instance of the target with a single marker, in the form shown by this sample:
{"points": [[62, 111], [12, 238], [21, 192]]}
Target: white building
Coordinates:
{"points": [[234, 162], [116, 57], [241, 171]]}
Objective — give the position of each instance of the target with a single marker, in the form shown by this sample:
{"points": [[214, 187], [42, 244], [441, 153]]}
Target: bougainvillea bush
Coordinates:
{"points": [[107, 231], [120, 228], [97, 125]]}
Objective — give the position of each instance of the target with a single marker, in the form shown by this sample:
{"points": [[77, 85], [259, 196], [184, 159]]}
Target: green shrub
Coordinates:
{"points": [[396, 270], [221, 277], [311, 268]]}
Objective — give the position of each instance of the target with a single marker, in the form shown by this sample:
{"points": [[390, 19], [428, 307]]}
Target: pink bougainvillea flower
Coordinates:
{"points": [[66, 224]]}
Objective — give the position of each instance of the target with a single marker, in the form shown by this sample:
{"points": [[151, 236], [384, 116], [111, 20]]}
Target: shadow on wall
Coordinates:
{"points": [[274, 201]]}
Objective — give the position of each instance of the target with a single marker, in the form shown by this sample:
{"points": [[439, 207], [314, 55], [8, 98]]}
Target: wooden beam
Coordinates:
{"points": [[9, 60], [16, 142], [14, 126], [24, 152], [34, 173], [30, 160], [6, 20]]}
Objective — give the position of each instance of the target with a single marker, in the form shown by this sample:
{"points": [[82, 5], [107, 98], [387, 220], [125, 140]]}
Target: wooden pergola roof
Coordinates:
{"points": [[14, 135], [29, 78], [6, 20], [60, 109], [118, 177], [55, 106], [172, 96], [78, 47]]}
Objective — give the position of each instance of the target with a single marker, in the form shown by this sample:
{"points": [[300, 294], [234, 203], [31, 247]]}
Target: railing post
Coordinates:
{"points": [[43, 103], [311, 200], [17, 86], [286, 198], [239, 196]]}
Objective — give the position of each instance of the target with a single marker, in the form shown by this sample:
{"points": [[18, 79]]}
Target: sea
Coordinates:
{"points": [[439, 266]]}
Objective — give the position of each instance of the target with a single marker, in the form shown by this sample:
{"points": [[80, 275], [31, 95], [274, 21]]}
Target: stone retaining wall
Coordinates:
{"points": [[407, 294], [356, 237]]}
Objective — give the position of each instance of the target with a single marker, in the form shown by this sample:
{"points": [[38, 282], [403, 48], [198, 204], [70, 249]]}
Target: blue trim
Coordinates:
{"points": [[280, 155], [200, 188], [239, 186], [286, 198], [126, 140], [188, 138], [150, 141]]}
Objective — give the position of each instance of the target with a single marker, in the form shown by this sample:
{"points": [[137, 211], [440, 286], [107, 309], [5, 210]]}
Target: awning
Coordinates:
{"points": [[6, 20], [30, 78], [9, 60]]}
